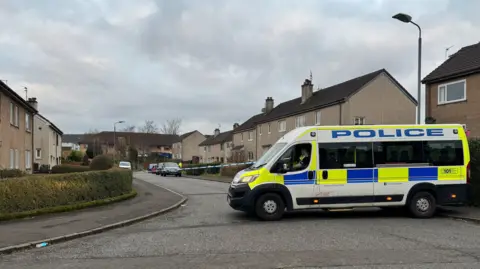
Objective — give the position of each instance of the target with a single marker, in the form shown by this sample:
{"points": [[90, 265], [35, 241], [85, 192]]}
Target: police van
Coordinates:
{"points": [[330, 167]]}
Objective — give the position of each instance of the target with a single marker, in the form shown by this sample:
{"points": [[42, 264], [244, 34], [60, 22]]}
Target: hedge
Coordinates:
{"points": [[8, 173], [200, 171], [475, 169], [230, 171], [69, 168], [35, 192]]}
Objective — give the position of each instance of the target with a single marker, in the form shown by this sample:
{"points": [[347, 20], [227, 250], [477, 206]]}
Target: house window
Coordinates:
{"points": [[12, 158], [250, 136], [38, 153], [452, 92], [268, 127], [208, 148], [250, 155], [13, 114], [17, 159], [318, 116], [300, 121], [282, 126], [221, 146], [28, 159], [242, 136], [27, 122], [204, 148], [260, 129], [359, 121]]}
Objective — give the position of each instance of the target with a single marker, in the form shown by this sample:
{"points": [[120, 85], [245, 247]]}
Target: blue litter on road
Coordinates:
{"points": [[41, 245]]}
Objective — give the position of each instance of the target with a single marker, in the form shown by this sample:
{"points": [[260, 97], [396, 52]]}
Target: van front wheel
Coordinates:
{"points": [[422, 205], [270, 207]]}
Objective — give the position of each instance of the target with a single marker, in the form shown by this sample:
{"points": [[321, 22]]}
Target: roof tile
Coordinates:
{"points": [[463, 62]]}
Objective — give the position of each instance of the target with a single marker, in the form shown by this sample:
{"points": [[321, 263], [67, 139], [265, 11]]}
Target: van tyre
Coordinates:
{"points": [[422, 205], [270, 207]]}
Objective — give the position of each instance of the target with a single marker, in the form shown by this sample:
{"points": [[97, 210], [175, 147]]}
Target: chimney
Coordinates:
{"points": [[235, 125], [33, 102], [216, 132], [268, 105], [307, 90]]}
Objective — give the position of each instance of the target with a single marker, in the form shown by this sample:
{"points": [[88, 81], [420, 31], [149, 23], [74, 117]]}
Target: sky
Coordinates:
{"points": [[211, 63]]}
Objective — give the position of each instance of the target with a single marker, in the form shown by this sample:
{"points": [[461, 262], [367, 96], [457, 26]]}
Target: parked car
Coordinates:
{"points": [[166, 169], [125, 165]]}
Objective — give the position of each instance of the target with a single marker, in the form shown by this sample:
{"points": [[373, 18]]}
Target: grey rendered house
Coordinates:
{"points": [[374, 98]]}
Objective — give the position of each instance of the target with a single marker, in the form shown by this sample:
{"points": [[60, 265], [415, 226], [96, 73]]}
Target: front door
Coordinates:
{"points": [[346, 174], [298, 173]]}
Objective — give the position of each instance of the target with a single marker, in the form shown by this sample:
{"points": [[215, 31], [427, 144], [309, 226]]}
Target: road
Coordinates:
{"points": [[206, 233]]}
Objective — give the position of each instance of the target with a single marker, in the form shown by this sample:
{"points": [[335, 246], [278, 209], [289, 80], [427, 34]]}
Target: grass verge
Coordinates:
{"points": [[67, 208]]}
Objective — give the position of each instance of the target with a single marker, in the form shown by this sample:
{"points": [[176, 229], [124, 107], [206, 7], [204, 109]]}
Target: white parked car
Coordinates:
{"points": [[125, 165]]}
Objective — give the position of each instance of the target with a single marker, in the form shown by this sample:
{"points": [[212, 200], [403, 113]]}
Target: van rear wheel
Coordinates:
{"points": [[270, 207], [422, 205]]}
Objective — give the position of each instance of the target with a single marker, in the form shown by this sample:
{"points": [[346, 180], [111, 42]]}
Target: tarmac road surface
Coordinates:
{"points": [[207, 233]]}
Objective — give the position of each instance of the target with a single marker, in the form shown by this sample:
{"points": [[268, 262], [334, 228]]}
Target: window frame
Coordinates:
{"points": [[318, 117], [369, 145], [28, 128], [300, 121], [269, 128], [280, 130], [362, 120], [250, 135], [28, 159], [12, 158], [445, 90], [38, 153]]}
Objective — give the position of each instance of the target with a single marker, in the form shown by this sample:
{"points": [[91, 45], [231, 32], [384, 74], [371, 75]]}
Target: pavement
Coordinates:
{"points": [[207, 233], [149, 199]]}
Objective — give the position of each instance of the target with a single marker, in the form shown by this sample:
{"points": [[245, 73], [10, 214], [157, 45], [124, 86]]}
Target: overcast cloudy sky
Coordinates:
{"points": [[210, 62]]}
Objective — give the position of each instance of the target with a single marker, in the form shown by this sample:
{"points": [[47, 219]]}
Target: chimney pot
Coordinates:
{"points": [[307, 90], [33, 102], [268, 105]]}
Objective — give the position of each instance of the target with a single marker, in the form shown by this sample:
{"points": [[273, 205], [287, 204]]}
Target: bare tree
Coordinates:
{"points": [[149, 127], [128, 129], [92, 131], [171, 126]]}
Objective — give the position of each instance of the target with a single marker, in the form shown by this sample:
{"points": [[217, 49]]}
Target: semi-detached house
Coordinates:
{"points": [[453, 90], [216, 148], [374, 98], [16, 130]]}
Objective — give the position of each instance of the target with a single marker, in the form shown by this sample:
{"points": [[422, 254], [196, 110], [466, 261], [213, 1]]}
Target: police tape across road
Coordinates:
{"points": [[216, 166]]}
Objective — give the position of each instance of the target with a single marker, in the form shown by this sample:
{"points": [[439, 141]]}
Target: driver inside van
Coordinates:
{"points": [[302, 161]]}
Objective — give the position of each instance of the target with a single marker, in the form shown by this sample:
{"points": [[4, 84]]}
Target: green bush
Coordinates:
{"points": [[230, 171], [44, 191], [200, 171], [8, 173], [69, 168], [101, 162], [475, 169]]}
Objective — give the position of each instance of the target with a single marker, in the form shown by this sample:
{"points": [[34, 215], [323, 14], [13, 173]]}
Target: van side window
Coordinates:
{"points": [[345, 155], [297, 157], [398, 152], [434, 153], [444, 153]]}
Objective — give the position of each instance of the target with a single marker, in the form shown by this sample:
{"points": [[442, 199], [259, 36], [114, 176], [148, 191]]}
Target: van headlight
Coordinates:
{"points": [[248, 179]]}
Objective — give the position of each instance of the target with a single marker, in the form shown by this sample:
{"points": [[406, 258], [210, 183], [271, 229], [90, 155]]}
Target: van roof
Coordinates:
{"points": [[292, 135]]}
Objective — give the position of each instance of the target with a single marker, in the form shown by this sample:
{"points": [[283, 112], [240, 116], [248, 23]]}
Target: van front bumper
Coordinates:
{"points": [[239, 197]]}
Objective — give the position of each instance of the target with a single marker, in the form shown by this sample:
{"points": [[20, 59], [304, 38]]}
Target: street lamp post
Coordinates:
{"points": [[408, 19], [115, 138]]}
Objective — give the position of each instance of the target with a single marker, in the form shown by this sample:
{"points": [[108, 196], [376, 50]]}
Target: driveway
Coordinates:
{"points": [[206, 233]]}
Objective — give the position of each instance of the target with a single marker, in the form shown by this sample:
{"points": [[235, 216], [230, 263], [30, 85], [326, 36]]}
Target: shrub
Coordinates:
{"points": [[101, 162], [8, 173], [69, 168], [85, 160], [43, 191], [196, 171], [230, 171], [475, 169]]}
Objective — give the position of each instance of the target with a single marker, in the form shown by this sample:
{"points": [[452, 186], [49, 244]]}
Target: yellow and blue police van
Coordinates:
{"points": [[334, 167]]}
